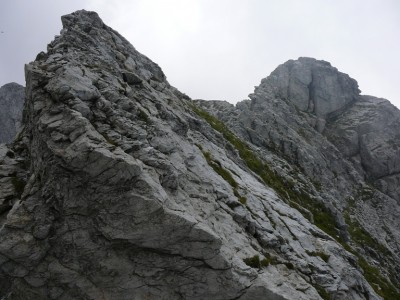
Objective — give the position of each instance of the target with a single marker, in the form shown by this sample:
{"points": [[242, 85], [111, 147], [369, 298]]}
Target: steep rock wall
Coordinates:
{"points": [[348, 154], [12, 97], [117, 188]]}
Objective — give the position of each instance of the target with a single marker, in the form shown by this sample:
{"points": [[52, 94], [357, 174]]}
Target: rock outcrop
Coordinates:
{"points": [[120, 187], [313, 86], [349, 152], [368, 134], [12, 97]]}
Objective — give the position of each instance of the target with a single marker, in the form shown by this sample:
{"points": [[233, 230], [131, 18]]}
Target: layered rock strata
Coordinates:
{"points": [[119, 188]]}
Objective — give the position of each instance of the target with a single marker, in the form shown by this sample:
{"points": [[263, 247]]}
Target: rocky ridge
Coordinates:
{"points": [[349, 153], [12, 97], [121, 187]]}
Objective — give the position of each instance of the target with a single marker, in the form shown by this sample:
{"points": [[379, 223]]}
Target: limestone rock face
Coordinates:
{"points": [[312, 85], [120, 187], [368, 134], [12, 97], [349, 151]]}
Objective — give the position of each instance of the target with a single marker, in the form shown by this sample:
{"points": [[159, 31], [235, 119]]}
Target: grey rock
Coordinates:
{"points": [[131, 78], [368, 134], [345, 156], [12, 96], [312, 85], [118, 190]]}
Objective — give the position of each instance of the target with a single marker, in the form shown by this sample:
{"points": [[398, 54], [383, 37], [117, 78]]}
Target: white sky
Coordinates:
{"points": [[221, 49]]}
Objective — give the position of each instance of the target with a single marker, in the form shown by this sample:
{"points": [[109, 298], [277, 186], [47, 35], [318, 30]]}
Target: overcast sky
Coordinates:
{"points": [[221, 49]]}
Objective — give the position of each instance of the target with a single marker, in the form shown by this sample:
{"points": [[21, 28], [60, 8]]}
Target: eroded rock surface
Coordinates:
{"points": [[118, 189], [12, 97], [368, 134], [348, 152], [313, 86]]}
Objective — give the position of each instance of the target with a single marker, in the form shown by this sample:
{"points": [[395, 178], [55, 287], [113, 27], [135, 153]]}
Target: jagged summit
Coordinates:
{"points": [[85, 32], [87, 20], [121, 187], [312, 85]]}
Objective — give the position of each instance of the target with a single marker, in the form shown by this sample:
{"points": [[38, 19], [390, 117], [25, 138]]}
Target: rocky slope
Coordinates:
{"points": [[121, 187], [346, 146], [12, 97]]}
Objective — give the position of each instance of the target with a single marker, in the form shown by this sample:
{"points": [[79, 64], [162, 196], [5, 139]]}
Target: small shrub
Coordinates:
{"points": [[324, 256], [233, 204], [264, 263], [143, 116], [253, 262], [243, 200], [289, 265], [322, 292]]}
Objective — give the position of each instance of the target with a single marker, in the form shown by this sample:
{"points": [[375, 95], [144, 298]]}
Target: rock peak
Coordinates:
{"points": [[82, 17], [312, 61], [121, 187], [312, 85]]}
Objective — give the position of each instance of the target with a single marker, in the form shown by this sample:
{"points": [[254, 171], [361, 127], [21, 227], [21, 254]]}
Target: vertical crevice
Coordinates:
{"points": [[311, 95]]}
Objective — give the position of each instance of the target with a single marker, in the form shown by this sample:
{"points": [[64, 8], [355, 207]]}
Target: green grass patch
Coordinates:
{"points": [[323, 218], [362, 238], [379, 283], [282, 186], [224, 173], [242, 199], [255, 262], [216, 165], [322, 292]]}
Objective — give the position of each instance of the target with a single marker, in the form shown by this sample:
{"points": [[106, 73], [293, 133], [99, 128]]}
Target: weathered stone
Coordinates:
{"points": [[121, 191], [312, 85], [131, 78], [333, 154], [12, 96]]}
